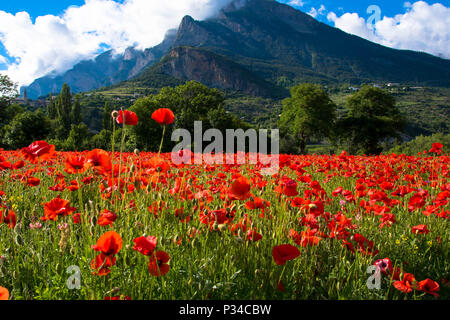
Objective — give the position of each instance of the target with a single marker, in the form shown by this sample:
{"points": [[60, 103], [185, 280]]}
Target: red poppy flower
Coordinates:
{"points": [[76, 164], [38, 150], [288, 187], [337, 191], [280, 286], [157, 264], [99, 158], [102, 264], [109, 243], [240, 189], [308, 237], [9, 219], [420, 229], [416, 202], [145, 245], [163, 116], [33, 182], [130, 117], [76, 218], [283, 253], [106, 218], [407, 284], [253, 235], [385, 265], [57, 207], [19, 164], [118, 298], [4, 293], [436, 148], [429, 286]]}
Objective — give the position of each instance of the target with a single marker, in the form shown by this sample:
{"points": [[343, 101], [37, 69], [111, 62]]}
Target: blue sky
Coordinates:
{"points": [[90, 29]]}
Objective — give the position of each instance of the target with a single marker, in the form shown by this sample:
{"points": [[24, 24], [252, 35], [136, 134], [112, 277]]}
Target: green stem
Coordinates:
{"points": [[162, 140]]}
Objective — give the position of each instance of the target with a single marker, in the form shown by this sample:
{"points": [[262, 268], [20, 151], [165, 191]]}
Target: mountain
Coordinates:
{"points": [[105, 70], [270, 42], [260, 47]]}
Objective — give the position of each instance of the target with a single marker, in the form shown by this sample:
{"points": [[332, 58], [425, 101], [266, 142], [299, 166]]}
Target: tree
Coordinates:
{"points": [[64, 108], [25, 128], [78, 137], [190, 102], [372, 118], [107, 119], [76, 115], [51, 108], [308, 113], [147, 133], [8, 90]]}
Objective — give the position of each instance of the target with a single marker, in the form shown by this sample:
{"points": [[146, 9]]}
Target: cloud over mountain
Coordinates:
{"points": [[422, 27]]}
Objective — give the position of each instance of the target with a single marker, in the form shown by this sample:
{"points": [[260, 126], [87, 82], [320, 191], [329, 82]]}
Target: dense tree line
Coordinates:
{"points": [[370, 123]]}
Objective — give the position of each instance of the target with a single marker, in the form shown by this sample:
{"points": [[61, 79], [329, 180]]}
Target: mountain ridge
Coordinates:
{"points": [[268, 41]]}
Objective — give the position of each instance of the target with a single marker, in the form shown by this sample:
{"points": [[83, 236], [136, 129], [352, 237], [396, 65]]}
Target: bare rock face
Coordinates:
{"points": [[213, 70]]}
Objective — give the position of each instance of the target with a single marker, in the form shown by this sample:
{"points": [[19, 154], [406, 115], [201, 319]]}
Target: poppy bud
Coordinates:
{"points": [[222, 227], [114, 114], [136, 152]]}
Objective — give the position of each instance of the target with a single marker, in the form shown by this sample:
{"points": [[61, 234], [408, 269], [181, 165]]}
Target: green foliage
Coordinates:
{"points": [[75, 114], [8, 91], [309, 112], [147, 133], [78, 139], [107, 118], [25, 128], [190, 102], [51, 108], [372, 118], [102, 140], [64, 110], [422, 143]]}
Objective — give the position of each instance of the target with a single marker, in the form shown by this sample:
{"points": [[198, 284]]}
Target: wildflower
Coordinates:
{"points": [[38, 150], [157, 264], [283, 253], [108, 244], [106, 218], [4, 294], [407, 284], [429, 286], [436, 148], [57, 207], [163, 116], [385, 265], [76, 164], [240, 189], [420, 229], [145, 245], [130, 118]]}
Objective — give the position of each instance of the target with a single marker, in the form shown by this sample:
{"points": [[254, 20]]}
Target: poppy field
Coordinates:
{"points": [[115, 225]]}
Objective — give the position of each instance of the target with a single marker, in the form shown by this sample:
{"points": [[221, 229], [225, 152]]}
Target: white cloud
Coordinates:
{"points": [[54, 44], [296, 3], [316, 12], [422, 27]]}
